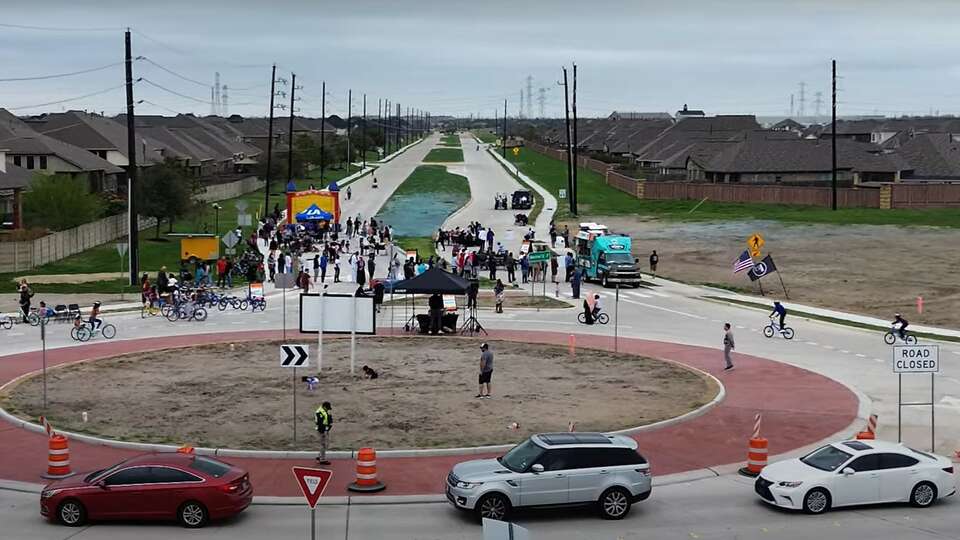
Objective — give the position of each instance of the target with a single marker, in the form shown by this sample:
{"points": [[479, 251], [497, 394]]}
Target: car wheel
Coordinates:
{"points": [[816, 501], [493, 506], [923, 495], [614, 503], [192, 515], [606, 282], [72, 513]]}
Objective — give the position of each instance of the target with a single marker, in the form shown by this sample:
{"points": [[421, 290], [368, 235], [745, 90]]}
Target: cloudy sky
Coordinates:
{"points": [[458, 57]]}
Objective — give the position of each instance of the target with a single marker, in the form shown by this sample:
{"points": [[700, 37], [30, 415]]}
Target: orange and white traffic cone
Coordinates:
{"points": [[366, 481], [870, 432], [756, 451], [58, 461]]}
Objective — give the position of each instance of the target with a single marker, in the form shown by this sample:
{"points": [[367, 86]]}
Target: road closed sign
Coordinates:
{"points": [[916, 359]]}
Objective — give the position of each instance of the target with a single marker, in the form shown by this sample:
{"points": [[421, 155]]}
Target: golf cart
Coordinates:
{"points": [[522, 200]]}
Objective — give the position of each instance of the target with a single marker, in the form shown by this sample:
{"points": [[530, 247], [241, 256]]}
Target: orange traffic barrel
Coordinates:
{"points": [[58, 464], [871, 432], [756, 457], [366, 481]]}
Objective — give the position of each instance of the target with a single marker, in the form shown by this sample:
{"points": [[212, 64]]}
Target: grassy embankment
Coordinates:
{"points": [[430, 179], [599, 199], [487, 136], [444, 155]]}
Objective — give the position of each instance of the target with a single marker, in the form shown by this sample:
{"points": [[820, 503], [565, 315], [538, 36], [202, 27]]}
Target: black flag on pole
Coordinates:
{"points": [[762, 268]]}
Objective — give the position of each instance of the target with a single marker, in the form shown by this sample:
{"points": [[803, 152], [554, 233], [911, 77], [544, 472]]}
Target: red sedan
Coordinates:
{"points": [[189, 488]]}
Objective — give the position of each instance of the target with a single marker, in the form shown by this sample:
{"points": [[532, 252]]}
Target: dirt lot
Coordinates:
{"points": [[212, 396], [870, 269]]}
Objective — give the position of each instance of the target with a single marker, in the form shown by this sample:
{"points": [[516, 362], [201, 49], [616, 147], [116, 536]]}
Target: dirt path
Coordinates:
{"points": [[241, 398], [868, 269]]}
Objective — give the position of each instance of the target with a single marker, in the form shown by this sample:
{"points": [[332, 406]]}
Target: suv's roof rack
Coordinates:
{"points": [[558, 439]]}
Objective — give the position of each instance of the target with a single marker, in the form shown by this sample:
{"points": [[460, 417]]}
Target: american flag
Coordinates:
{"points": [[744, 262]]}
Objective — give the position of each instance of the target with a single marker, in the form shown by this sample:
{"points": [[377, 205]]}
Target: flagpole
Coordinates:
{"points": [[780, 277], [761, 286]]}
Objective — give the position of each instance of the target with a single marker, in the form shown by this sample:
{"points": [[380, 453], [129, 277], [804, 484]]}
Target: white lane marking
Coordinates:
{"points": [[861, 355], [660, 294], [741, 327], [637, 294], [954, 352], [844, 351], [829, 347], [714, 320], [878, 360], [651, 306], [15, 334], [814, 343]]}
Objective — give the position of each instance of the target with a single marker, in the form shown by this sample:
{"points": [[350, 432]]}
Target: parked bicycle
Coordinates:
{"points": [[894, 334], [772, 328]]}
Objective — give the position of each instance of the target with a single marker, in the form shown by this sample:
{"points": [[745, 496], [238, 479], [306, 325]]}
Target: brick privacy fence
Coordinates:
{"points": [[24, 255]]}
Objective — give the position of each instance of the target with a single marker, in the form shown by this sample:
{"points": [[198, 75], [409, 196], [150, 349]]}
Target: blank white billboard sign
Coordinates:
{"points": [[336, 314]]}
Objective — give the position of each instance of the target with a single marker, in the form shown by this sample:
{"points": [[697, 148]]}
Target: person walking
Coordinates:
{"points": [[25, 295], [498, 294], [486, 371], [489, 239], [511, 268], [568, 267], [222, 272], [524, 268], [728, 345], [492, 265], [554, 267], [349, 193], [324, 419], [654, 259], [336, 268], [371, 265], [349, 227]]}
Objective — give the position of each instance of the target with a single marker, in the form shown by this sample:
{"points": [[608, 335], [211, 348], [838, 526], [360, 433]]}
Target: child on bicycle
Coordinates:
{"points": [[94, 319], [779, 310], [44, 311], [898, 319]]}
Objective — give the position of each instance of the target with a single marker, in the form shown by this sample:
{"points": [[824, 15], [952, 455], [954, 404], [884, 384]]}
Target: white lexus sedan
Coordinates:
{"points": [[856, 472]]}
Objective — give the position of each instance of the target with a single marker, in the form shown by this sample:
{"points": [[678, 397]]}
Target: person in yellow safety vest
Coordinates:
{"points": [[324, 421]]}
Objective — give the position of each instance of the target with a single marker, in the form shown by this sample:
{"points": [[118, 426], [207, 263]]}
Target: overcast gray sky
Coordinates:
{"points": [[456, 57]]}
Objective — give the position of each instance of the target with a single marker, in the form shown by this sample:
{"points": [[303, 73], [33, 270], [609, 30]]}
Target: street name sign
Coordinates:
{"points": [[294, 356], [539, 256], [916, 359], [312, 483]]}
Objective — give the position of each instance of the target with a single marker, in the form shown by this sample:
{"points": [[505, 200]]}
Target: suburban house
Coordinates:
{"points": [[685, 113], [682, 137], [99, 135], [13, 180], [621, 115], [790, 125], [255, 131], [931, 157], [766, 157], [32, 151]]}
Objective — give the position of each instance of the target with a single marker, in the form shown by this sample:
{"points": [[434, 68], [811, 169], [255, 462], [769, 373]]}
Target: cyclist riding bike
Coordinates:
{"points": [[898, 319], [94, 319], [779, 310], [596, 305]]}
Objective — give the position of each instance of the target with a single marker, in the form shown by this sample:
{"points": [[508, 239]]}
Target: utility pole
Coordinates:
{"points": [[386, 126], [576, 142], [323, 129], [398, 126], [380, 119], [566, 113], [833, 137], [133, 232], [293, 91], [266, 187], [364, 131], [503, 147], [349, 113]]}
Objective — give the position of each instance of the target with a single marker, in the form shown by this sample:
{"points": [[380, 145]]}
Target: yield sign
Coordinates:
{"points": [[312, 483]]}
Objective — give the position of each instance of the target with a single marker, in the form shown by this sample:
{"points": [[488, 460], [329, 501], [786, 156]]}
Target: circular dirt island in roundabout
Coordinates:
{"points": [[238, 396]]}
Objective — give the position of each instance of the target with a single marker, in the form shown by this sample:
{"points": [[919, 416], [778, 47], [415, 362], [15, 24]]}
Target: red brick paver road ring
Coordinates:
{"points": [[799, 408]]}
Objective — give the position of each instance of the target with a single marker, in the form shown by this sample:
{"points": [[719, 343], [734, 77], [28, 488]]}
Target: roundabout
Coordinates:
{"points": [[800, 408], [234, 395]]}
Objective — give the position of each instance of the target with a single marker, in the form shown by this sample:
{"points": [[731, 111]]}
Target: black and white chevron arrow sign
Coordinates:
{"points": [[294, 356]]}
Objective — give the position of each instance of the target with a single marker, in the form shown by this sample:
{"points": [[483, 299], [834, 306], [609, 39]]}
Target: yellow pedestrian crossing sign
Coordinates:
{"points": [[516, 150], [755, 243]]}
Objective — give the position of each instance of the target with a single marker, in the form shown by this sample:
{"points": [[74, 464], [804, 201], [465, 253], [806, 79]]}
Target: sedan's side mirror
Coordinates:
{"points": [[537, 468], [102, 484], [848, 471]]}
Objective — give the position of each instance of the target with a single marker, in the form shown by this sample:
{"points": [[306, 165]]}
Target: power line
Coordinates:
{"points": [[174, 73], [61, 28], [59, 75], [91, 94], [174, 92], [193, 56]]}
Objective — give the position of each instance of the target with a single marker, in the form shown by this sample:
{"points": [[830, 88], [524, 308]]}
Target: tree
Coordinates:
{"points": [[60, 202], [165, 192]]}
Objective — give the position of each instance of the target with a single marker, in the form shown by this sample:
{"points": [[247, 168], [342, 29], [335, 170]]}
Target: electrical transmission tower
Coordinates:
{"points": [[223, 102], [520, 112], [542, 99], [817, 103], [803, 98], [529, 96], [216, 93]]}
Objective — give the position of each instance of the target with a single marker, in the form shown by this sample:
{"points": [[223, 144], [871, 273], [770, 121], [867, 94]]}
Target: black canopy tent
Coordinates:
{"points": [[433, 281]]}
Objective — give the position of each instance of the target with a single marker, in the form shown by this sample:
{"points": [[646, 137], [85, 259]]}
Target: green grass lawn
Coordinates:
{"points": [[450, 140], [435, 179], [598, 199], [423, 244], [444, 155], [487, 136]]}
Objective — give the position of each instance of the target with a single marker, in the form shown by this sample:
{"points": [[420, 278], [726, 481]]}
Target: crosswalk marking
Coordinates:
{"points": [[637, 294]]}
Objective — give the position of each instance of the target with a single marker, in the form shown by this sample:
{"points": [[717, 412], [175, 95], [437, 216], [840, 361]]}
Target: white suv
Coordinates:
{"points": [[554, 469]]}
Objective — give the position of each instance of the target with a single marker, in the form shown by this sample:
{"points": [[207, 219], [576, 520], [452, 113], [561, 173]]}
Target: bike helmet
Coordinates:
{"points": [[96, 304], [896, 314]]}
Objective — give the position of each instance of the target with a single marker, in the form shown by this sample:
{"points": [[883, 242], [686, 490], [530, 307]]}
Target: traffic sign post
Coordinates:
{"points": [[755, 243], [312, 484], [562, 194], [916, 359], [294, 356]]}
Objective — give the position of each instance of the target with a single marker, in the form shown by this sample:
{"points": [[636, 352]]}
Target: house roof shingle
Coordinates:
{"points": [[17, 137]]}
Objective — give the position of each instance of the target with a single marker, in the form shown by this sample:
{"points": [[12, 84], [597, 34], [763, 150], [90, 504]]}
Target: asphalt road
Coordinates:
{"points": [[718, 508]]}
